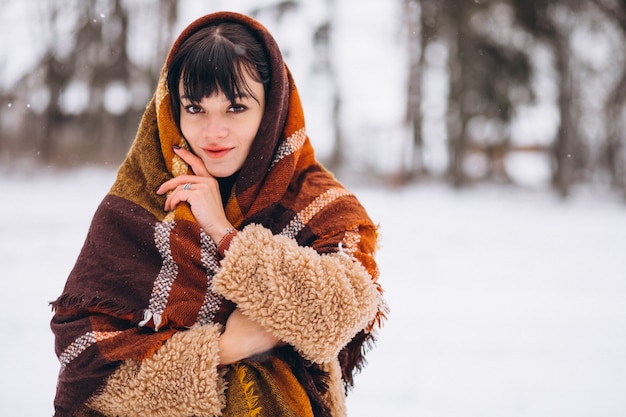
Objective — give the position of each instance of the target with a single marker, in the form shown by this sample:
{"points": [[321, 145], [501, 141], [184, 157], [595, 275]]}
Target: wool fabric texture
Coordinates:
{"points": [[145, 276]]}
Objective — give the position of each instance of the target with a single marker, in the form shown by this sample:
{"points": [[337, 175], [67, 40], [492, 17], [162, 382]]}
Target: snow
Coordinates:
{"points": [[505, 302]]}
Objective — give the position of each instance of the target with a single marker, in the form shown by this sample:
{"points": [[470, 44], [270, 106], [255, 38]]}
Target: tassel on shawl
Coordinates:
{"points": [[147, 316], [248, 391]]}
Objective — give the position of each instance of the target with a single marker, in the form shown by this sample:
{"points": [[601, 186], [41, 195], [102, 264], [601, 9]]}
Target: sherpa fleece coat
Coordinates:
{"points": [[138, 322]]}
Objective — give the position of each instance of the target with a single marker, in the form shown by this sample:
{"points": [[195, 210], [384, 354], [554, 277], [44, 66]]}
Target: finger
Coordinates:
{"points": [[196, 163], [172, 183], [175, 198]]}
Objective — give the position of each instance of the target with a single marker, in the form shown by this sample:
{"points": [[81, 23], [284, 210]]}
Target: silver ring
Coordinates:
{"points": [[187, 186]]}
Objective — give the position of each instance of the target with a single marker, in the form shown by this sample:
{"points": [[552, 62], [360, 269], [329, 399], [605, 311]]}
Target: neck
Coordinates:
{"points": [[226, 185]]}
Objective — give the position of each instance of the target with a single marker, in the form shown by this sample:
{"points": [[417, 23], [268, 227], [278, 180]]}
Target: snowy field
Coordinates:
{"points": [[504, 303]]}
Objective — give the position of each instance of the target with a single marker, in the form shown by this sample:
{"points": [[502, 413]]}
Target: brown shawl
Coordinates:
{"points": [[144, 274]]}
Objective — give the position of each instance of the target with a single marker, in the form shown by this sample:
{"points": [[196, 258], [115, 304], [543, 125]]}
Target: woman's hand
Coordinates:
{"points": [[243, 338], [202, 192]]}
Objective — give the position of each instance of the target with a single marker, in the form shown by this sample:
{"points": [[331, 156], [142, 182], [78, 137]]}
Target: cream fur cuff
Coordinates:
{"points": [[316, 303], [179, 380]]}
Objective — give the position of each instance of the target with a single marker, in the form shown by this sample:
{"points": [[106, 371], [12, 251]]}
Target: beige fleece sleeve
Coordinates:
{"points": [[316, 303], [335, 397], [179, 380]]}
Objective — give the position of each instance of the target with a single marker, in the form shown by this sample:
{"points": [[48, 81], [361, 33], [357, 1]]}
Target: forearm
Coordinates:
{"points": [[316, 303], [243, 338]]}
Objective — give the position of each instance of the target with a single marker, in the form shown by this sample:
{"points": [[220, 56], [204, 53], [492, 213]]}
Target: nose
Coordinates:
{"points": [[214, 127]]}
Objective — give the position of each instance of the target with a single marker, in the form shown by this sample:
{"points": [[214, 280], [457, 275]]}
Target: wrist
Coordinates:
{"points": [[232, 349], [224, 242], [227, 351]]}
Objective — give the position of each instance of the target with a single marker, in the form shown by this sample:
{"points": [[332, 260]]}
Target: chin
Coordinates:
{"points": [[219, 173]]}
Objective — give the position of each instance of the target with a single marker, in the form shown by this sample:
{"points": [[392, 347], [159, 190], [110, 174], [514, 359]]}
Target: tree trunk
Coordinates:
{"points": [[413, 118], [457, 116], [565, 144]]}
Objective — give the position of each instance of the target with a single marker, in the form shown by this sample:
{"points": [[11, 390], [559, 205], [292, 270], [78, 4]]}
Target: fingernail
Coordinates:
{"points": [[156, 190], [176, 147]]}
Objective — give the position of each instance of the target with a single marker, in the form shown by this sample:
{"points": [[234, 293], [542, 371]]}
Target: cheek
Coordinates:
{"points": [[187, 129], [183, 122], [253, 127], [249, 137]]}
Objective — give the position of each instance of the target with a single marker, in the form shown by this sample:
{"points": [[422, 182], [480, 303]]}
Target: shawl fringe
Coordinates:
{"points": [[81, 303], [352, 357]]}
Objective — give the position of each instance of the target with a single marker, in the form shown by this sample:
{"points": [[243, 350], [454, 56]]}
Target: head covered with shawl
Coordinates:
{"points": [[145, 274]]}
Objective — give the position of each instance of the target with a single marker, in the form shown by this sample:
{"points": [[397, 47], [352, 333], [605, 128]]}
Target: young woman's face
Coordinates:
{"points": [[219, 132]]}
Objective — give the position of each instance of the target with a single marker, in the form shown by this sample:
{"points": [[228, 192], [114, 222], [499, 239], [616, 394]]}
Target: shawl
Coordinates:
{"points": [[144, 274]]}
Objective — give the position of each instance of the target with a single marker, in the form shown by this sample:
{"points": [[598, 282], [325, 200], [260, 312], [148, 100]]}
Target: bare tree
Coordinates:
{"points": [[615, 148], [540, 17], [322, 40], [483, 72], [417, 33]]}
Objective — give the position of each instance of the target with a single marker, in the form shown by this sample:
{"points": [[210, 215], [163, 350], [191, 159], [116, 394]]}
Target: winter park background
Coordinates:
{"points": [[505, 301]]}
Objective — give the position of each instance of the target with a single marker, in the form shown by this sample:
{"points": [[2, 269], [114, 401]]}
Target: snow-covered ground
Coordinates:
{"points": [[504, 302]]}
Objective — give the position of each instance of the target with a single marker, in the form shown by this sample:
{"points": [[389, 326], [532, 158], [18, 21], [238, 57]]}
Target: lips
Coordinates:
{"points": [[217, 152]]}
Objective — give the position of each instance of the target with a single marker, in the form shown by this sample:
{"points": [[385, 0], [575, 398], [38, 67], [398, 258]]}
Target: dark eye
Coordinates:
{"points": [[193, 109], [237, 108]]}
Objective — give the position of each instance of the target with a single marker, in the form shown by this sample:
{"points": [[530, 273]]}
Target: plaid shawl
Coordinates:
{"points": [[144, 274]]}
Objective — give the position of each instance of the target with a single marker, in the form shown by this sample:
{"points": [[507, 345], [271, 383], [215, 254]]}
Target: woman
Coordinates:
{"points": [[226, 272]]}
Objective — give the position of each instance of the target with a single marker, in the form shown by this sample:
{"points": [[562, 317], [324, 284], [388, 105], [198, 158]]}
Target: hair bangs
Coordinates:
{"points": [[220, 69]]}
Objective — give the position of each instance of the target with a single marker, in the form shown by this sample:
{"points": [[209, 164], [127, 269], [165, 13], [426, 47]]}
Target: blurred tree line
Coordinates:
{"points": [[83, 100], [492, 52]]}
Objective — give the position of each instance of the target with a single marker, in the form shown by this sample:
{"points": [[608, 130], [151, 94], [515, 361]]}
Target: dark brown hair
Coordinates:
{"points": [[215, 59]]}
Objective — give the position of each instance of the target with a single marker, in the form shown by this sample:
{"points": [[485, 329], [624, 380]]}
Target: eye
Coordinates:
{"points": [[237, 108], [193, 109]]}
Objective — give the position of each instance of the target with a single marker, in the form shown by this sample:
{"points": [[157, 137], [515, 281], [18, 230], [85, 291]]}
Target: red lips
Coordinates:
{"points": [[217, 152]]}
